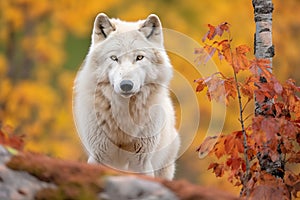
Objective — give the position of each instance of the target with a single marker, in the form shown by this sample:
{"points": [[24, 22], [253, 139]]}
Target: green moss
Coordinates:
{"points": [[49, 193], [66, 192]]}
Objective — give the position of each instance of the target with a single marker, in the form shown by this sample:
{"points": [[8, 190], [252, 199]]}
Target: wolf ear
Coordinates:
{"points": [[102, 28], [152, 29]]}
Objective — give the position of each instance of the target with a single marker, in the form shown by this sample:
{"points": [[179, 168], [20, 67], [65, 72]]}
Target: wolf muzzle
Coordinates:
{"points": [[126, 86]]}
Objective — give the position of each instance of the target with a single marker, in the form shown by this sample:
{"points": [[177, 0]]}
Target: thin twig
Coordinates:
{"points": [[248, 116], [243, 131], [242, 125], [246, 105], [246, 177]]}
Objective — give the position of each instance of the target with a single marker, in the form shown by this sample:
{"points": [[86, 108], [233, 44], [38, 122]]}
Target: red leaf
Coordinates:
{"points": [[258, 136], [290, 97], [293, 182], [289, 128], [259, 96], [234, 163], [281, 110], [218, 169], [269, 187], [8, 138], [224, 26], [201, 85], [269, 88], [271, 127], [211, 33], [216, 30], [277, 87], [220, 88]]}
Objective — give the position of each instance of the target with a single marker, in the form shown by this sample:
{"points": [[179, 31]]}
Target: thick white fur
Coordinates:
{"points": [[134, 132]]}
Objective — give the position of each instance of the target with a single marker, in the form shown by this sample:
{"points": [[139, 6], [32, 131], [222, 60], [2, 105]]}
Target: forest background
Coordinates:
{"points": [[43, 43]]}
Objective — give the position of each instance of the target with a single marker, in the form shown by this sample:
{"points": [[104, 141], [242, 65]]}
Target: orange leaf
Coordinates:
{"points": [[269, 187], [293, 182], [242, 49], [230, 89], [260, 67], [219, 148], [216, 89], [294, 158], [234, 163], [210, 34], [224, 26], [201, 84], [248, 87], [218, 169], [234, 144], [207, 145], [216, 30], [226, 51], [8, 139], [240, 60]]}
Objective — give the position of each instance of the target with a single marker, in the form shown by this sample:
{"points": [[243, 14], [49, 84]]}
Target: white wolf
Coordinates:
{"points": [[122, 109]]}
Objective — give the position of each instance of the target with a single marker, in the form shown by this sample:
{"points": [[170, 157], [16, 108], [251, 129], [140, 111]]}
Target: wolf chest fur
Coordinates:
{"points": [[122, 108]]}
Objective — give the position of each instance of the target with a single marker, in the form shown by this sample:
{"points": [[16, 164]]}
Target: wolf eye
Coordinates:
{"points": [[139, 57], [114, 58]]}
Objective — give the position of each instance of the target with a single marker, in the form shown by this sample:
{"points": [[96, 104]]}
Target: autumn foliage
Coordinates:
{"points": [[35, 84], [42, 44], [9, 139], [274, 136]]}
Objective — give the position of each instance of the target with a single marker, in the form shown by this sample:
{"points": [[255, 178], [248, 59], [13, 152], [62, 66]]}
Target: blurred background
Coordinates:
{"points": [[43, 43]]}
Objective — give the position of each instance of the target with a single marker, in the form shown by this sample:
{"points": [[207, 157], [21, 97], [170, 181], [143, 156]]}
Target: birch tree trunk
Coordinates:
{"points": [[263, 37], [263, 45], [264, 49]]}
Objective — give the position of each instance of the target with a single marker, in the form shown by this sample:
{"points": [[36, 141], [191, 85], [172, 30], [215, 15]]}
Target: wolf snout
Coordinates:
{"points": [[126, 85]]}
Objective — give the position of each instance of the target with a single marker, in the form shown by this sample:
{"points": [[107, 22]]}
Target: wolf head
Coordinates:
{"points": [[129, 55]]}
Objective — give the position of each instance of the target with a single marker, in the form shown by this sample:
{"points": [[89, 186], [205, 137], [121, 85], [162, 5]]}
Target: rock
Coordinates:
{"points": [[35, 176], [17, 185], [130, 187]]}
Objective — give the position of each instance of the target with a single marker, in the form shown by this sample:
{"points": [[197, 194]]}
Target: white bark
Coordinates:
{"points": [[263, 37], [263, 45], [264, 49]]}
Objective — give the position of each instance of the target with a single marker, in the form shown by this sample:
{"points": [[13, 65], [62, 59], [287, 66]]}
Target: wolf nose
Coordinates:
{"points": [[126, 85]]}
